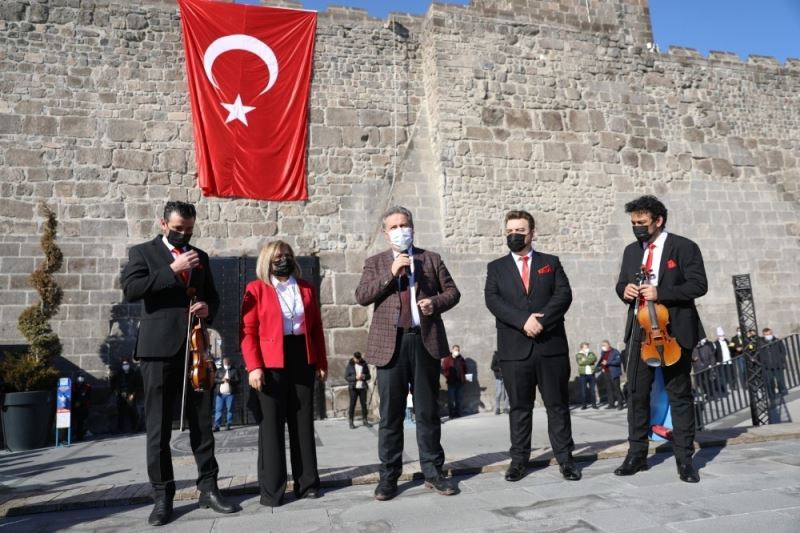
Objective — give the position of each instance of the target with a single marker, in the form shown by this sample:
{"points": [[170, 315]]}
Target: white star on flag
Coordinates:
{"points": [[237, 111]]}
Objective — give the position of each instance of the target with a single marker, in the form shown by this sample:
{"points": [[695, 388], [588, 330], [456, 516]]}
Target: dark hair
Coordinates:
{"points": [[357, 355], [517, 214], [185, 210], [649, 204]]}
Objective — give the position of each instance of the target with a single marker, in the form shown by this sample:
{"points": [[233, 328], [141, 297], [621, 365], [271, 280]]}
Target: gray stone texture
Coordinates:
{"points": [[502, 104]]}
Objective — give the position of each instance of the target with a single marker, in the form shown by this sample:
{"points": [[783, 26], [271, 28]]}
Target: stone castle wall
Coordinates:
{"points": [[460, 114]]}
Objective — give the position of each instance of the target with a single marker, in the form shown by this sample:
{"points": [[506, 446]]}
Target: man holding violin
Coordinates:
{"points": [[173, 280], [677, 277]]}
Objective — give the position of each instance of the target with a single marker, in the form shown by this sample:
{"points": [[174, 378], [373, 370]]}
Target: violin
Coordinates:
{"points": [[199, 368], [659, 348]]}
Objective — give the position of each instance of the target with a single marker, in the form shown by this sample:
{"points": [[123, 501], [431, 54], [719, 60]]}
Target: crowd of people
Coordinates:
{"points": [[409, 289]]}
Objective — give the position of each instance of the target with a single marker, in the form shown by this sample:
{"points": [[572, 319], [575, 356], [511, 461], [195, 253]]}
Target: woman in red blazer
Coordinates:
{"points": [[284, 350]]}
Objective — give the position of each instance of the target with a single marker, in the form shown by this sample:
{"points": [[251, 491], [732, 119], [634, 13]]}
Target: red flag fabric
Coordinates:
{"points": [[249, 73]]}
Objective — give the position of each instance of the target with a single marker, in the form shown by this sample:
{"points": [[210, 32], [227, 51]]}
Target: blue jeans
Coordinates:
{"points": [[223, 401], [454, 399], [587, 388]]}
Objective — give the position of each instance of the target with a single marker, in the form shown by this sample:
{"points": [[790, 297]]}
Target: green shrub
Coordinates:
{"points": [[34, 370]]}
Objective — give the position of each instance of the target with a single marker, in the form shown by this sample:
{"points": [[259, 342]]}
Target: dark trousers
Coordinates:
{"points": [[678, 385], [411, 365], [361, 396], [613, 390], [586, 382], [551, 375], [454, 395], [163, 387], [127, 414], [287, 399]]}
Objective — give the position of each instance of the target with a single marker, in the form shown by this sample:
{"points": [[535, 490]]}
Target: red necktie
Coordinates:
{"points": [[185, 274], [526, 273], [648, 265]]}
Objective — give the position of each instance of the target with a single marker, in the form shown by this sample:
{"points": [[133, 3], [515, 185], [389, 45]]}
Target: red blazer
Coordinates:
{"points": [[262, 327]]}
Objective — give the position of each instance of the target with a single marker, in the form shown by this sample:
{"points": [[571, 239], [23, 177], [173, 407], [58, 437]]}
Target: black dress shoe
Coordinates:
{"points": [[162, 512], [386, 490], [569, 471], [352, 426], [442, 485], [215, 501], [631, 465], [366, 423], [312, 494], [515, 472], [687, 473]]}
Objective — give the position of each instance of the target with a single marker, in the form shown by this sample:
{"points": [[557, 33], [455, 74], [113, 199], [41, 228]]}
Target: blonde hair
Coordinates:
{"points": [[264, 262]]}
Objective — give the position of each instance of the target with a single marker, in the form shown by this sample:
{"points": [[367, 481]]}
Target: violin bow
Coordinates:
{"points": [[191, 294]]}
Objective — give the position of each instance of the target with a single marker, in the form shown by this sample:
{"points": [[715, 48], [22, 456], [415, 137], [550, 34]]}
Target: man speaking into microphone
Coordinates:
{"points": [[409, 288]]}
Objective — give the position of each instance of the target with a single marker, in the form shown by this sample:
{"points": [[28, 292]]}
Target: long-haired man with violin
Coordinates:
{"points": [[661, 276], [173, 281]]}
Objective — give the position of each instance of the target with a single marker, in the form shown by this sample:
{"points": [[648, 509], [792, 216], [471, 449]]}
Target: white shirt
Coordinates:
{"points": [[359, 371], [225, 388], [518, 261], [294, 314], [411, 286], [726, 353], [659, 242]]}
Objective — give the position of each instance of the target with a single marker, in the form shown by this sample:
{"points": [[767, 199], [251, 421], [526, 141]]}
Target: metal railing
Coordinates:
{"points": [[721, 389]]}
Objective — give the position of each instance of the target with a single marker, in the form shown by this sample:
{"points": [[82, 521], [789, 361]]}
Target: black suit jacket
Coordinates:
{"points": [[550, 295], [148, 277], [681, 279]]}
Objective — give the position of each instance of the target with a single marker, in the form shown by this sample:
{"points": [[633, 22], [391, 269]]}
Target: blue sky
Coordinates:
{"points": [[760, 27]]}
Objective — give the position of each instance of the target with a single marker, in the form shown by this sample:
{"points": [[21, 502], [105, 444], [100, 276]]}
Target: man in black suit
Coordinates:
{"points": [[529, 294], [677, 278], [162, 273]]}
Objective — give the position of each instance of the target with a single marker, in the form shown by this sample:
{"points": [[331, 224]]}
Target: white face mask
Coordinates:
{"points": [[456, 354], [401, 238], [125, 368], [226, 367], [768, 337]]}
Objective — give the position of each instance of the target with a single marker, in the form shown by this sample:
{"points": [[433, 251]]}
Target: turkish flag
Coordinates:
{"points": [[249, 73]]}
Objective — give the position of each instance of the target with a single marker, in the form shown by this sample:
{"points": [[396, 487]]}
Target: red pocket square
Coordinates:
{"points": [[671, 263], [547, 269]]}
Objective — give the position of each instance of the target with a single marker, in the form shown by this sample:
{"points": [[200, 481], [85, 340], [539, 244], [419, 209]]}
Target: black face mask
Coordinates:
{"points": [[641, 233], [283, 268], [178, 239], [515, 241]]}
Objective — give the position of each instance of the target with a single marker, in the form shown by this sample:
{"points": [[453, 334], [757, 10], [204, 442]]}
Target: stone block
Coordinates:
{"points": [[492, 116], [337, 116], [322, 136], [518, 118], [91, 189], [336, 316], [133, 159], [347, 341], [40, 125], [22, 157], [373, 117], [173, 160], [10, 123], [82, 127], [630, 158], [579, 121], [656, 145], [345, 288], [551, 120], [580, 152], [125, 130], [555, 151], [16, 209]]}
